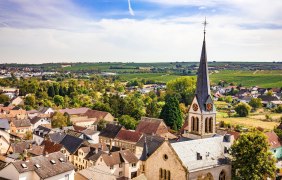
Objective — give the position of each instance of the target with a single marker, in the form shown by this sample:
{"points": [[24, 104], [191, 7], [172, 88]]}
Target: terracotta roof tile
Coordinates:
{"points": [[273, 140], [127, 135], [151, 126]]}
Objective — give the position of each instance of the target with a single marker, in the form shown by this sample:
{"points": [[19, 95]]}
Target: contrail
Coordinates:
{"points": [[130, 9]]}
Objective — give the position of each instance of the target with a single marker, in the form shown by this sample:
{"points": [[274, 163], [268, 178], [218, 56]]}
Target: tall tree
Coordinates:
{"points": [[171, 113], [4, 98], [184, 87], [51, 91], [127, 121], [59, 120], [252, 158]]}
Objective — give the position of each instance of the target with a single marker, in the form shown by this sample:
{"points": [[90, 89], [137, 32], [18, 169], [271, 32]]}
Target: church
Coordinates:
{"points": [[201, 154]]}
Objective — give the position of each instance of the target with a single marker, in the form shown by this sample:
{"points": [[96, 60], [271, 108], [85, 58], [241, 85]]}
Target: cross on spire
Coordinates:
{"points": [[205, 25]]}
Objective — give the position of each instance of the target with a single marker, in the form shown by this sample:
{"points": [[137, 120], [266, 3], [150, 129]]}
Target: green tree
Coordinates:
{"points": [[279, 109], [243, 109], [127, 121], [59, 100], [28, 135], [252, 158], [51, 91], [184, 87], [30, 100], [101, 125], [228, 99], [4, 98], [171, 113], [153, 109], [59, 120], [102, 107], [255, 103]]}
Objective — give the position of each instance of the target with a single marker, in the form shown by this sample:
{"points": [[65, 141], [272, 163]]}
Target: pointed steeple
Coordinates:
{"points": [[145, 152], [203, 83]]}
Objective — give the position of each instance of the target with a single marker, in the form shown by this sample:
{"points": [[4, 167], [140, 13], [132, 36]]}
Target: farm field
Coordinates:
{"points": [[264, 78], [159, 77]]}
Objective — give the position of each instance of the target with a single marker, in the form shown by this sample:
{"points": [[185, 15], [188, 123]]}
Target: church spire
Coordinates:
{"points": [[203, 84]]}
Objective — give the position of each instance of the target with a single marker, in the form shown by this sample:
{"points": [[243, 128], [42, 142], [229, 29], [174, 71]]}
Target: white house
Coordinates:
{"points": [[4, 141], [37, 121], [53, 166], [40, 133]]}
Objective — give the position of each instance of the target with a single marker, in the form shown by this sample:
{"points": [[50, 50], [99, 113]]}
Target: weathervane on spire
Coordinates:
{"points": [[205, 24]]}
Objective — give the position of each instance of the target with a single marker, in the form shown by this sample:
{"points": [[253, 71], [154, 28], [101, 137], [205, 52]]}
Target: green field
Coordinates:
{"points": [[264, 78], [159, 77]]}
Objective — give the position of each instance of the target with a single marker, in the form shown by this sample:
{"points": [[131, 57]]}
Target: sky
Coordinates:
{"points": [[44, 31]]}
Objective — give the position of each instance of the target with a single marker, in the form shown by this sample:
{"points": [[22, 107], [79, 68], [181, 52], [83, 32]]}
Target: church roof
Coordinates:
{"points": [[203, 83]]}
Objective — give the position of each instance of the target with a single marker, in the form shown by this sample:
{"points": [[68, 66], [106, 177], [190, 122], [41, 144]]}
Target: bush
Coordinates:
{"points": [[279, 109], [243, 109]]}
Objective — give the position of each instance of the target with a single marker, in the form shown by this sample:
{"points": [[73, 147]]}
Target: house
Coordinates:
{"points": [[4, 140], [50, 147], [87, 156], [4, 125], [16, 101], [19, 147], [56, 137], [121, 163], [40, 133], [154, 126], [99, 115], [275, 144], [14, 113], [53, 166], [20, 127], [95, 172], [127, 139], [70, 146], [37, 121], [10, 92], [266, 99], [273, 104], [46, 110], [74, 111], [83, 121], [109, 133], [152, 144], [194, 159]]}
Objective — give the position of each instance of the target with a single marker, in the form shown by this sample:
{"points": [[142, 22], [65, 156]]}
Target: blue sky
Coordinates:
{"points": [[139, 30]]}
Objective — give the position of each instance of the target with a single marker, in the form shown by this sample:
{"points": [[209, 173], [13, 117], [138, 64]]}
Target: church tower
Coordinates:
{"points": [[202, 113]]}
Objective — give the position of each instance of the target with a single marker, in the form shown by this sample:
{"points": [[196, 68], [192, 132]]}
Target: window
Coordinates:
{"points": [[133, 164], [111, 167], [274, 150], [120, 165], [143, 168], [67, 177], [199, 157], [120, 173], [165, 157], [164, 174], [222, 175]]}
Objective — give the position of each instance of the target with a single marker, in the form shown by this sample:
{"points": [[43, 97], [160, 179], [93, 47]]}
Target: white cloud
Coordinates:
{"points": [[68, 36], [130, 8]]}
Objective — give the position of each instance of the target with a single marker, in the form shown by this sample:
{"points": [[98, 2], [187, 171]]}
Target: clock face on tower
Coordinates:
{"points": [[209, 106], [195, 107]]}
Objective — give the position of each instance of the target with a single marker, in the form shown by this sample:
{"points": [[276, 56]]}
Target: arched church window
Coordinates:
{"points": [[161, 173], [197, 124], [192, 123], [210, 125], [222, 175], [206, 125]]}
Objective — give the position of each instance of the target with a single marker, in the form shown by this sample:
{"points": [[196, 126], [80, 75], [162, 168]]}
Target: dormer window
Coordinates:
{"points": [[199, 157], [61, 160], [37, 166], [53, 161], [24, 165]]}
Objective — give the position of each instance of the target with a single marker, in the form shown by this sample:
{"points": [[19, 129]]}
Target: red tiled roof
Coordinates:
{"points": [[235, 134], [96, 114], [127, 135], [273, 140], [151, 126], [74, 111], [50, 147]]}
